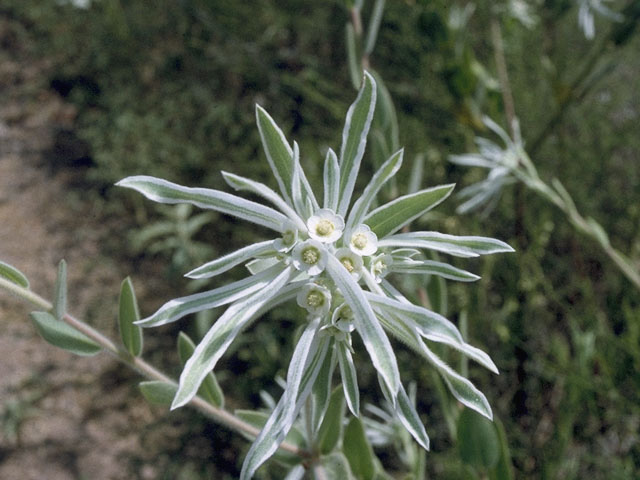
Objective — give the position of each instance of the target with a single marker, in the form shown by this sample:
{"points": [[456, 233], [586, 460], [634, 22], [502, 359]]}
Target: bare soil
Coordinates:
{"points": [[62, 416]]}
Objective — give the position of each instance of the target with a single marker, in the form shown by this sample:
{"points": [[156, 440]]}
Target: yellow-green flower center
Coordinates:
{"points": [[310, 255], [315, 299], [288, 237], [348, 264], [325, 228], [359, 240]]}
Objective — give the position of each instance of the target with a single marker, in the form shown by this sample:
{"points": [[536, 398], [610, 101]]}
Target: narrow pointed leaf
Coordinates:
{"points": [[394, 215], [296, 184], [128, 314], [210, 389], [245, 184], [60, 294], [220, 336], [157, 392], [322, 388], [14, 275], [331, 181], [163, 191], [410, 419], [431, 267], [330, 430], [354, 139], [361, 206], [62, 335], [227, 262], [349, 378], [358, 450], [179, 307], [451, 244], [373, 336]]}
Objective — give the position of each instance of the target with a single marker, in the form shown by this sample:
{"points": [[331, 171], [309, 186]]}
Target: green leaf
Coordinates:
{"points": [[372, 334], [331, 181], [220, 336], [396, 214], [62, 335], [157, 392], [384, 173], [437, 294], [349, 378], [353, 62], [128, 313], [451, 244], [431, 267], [177, 308], [210, 389], [60, 293], [354, 139], [410, 419], [322, 388], [374, 26], [163, 191], [478, 441], [278, 151], [358, 450], [503, 470], [334, 466], [330, 430], [227, 262], [14, 275]]}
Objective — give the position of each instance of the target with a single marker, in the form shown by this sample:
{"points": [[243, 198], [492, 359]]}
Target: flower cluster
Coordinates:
{"points": [[333, 259]]}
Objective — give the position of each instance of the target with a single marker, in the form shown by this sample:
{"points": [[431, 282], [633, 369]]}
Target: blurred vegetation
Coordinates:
{"points": [[169, 90]]}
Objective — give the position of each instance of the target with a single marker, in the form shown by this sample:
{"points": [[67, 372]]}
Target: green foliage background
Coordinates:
{"points": [[169, 90]]}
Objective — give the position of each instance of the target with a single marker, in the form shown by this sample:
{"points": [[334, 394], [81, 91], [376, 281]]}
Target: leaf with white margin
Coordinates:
{"points": [[305, 366], [239, 183], [384, 173], [227, 262], [354, 139], [220, 336], [468, 246], [394, 215], [410, 419], [179, 307], [331, 181], [163, 191], [349, 378], [322, 389], [431, 267], [430, 325], [373, 336]]}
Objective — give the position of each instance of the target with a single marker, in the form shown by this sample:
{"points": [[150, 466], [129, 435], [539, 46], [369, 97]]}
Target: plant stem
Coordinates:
{"points": [[219, 415]]}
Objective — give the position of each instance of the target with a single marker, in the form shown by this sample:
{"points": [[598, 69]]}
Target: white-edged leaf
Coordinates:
{"points": [[431, 267], [461, 388], [227, 262], [220, 336], [410, 419], [467, 246], [164, 191], [384, 173], [210, 389], [430, 325], [472, 160], [373, 336], [354, 139], [244, 184], [333, 466], [322, 388], [14, 275], [349, 378], [128, 314], [179, 307], [296, 183], [61, 335], [331, 181], [296, 473], [60, 294], [394, 215], [302, 374]]}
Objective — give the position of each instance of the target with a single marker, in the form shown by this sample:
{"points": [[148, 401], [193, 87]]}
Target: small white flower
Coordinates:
{"points": [[325, 226], [289, 237], [363, 241], [349, 260], [341, 324], [310, 256], [380, 266], [315, 298]]}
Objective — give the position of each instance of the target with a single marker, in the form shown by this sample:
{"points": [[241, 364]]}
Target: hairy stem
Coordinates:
{"points": [[218, 415]]}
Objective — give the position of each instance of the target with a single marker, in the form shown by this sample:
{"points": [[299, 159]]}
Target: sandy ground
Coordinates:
{"points": [[62, 416]]}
